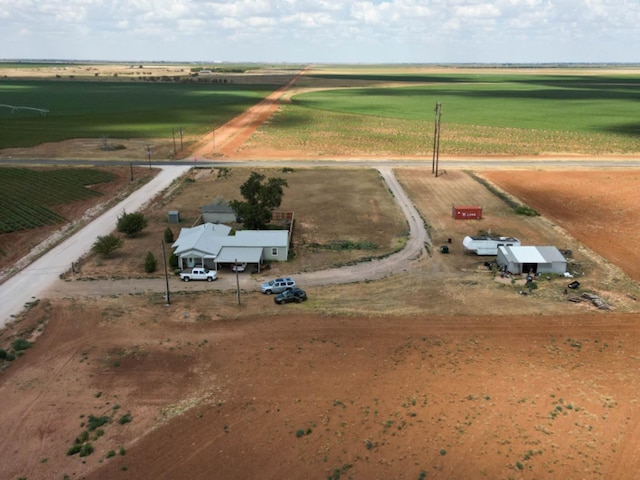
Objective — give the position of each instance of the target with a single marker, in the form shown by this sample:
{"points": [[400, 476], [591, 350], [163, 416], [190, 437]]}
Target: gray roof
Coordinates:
{"points": [[241, 254], [531, 254], [212, 238], [217, 208], [203, 238]]}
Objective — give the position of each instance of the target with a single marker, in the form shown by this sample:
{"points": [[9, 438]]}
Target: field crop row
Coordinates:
{"points": [[26, 195]]}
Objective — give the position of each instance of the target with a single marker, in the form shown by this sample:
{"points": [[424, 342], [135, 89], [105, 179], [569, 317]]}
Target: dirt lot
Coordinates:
{"points": [[438, 372]]}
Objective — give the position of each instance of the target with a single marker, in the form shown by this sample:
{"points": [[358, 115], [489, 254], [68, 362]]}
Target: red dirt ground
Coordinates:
{"points": [[306, 396]]}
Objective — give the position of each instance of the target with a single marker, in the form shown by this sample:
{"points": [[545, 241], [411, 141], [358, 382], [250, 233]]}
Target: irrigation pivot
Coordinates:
{"points": [[14, 108]]}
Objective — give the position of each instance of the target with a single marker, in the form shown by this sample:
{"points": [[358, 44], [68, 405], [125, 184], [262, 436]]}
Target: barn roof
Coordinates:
{"points": [[532, 254]]}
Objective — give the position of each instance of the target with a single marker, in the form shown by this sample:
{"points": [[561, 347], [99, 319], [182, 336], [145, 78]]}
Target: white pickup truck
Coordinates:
{"points": [[199, 274]]}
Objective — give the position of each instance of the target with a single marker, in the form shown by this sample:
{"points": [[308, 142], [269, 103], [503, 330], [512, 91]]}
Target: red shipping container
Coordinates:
{"points": [[467, 213]]}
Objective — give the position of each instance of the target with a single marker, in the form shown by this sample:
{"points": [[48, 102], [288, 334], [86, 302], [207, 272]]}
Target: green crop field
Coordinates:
{"points": [[481, 113], [27, 194], [85, 109], [575, 103]]}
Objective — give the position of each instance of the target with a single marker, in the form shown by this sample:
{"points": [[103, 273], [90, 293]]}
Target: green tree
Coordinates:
{"points": [[105, 246], [150, 263], [131, 223], [173, 260], [260, 200], [168, 235]]}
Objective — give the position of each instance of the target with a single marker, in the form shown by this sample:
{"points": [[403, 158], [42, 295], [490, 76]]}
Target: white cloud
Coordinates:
{"points": [[323, 30]]}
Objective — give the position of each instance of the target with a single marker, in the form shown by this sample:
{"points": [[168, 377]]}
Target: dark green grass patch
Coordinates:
{"points": [[26, 194], [79, 109]]}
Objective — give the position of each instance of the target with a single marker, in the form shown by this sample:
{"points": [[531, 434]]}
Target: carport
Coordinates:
{"points": [[248, 255]]}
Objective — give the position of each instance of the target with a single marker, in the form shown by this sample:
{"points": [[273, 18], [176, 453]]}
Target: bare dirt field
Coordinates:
{"points": [[321, 396], [598, 208], [439, 371]]}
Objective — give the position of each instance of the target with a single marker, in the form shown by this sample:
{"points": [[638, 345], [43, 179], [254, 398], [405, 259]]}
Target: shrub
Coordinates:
{"points": [[86, 449], [168, 235], [83, 437], [73, 450], [21, 344], [150, 263], [126, 418], [3, 354], [173, 261], [131, 223], [111, 453], [96, 422], [106, 245]]}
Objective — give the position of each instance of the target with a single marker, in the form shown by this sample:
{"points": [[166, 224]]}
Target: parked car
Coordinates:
{"points": [[238, 267], [277, 285], [199, 274], [292, 295]]}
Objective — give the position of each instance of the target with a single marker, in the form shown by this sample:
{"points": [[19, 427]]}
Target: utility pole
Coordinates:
{"points": [[180, 138], [436, 139], [237, 281], [149, 155], [131, 167], [166, 274], [173, 133]]}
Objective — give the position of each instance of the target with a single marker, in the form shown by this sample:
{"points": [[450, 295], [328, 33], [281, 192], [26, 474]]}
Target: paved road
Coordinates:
{"points": [[35, 279], [457, 163]]}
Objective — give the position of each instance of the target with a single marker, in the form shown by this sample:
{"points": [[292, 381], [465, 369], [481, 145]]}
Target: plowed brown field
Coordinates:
{"points": [[599, 208], [306, 396]]}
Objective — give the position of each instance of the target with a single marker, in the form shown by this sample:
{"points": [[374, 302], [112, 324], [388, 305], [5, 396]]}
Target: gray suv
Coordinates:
{"points": [[278, 285]]}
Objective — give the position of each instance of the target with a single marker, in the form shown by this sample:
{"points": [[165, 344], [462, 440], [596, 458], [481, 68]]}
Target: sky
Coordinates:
{"points": [[323, 31]]}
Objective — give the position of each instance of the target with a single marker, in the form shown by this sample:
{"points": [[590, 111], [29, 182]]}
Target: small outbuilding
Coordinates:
{"points": [[173, 216], [531, 260], [218, 212], [487, 244]]}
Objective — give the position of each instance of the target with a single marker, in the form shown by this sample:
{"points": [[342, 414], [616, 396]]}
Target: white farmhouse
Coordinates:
{"points": [[210, 245]]}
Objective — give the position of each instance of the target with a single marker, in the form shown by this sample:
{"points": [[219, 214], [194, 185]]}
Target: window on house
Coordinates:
{"points": [[274, 252]]}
